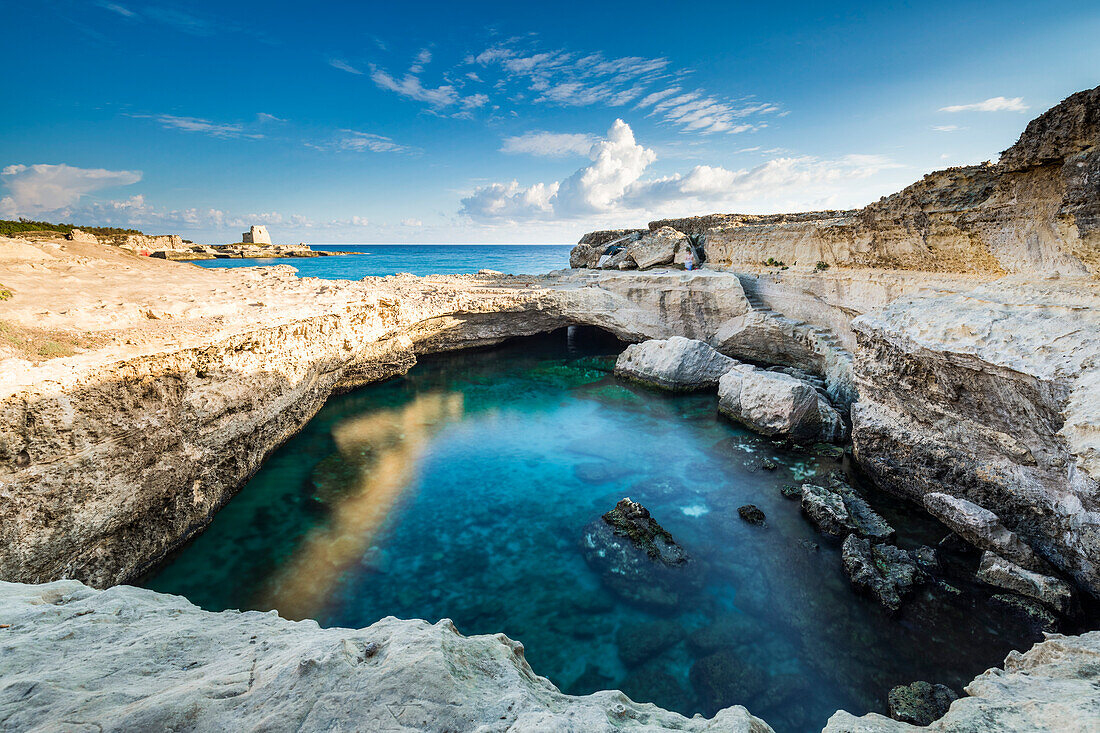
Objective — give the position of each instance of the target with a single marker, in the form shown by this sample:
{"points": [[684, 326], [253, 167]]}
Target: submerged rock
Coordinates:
{"points": [[676, 363], [983, 529], [886, 572], [638, 643], [920, 703], [724, 678], [638, 559], [773, 403], [751, 514], [1040, 618], [1001, 573]]}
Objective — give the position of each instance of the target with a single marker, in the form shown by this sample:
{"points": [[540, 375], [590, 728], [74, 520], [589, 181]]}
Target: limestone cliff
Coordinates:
{"points": [[1036, 210]]}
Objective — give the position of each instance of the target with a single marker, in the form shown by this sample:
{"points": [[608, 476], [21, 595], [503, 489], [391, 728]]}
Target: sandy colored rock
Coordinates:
{"points": [[1001, 573], [657, 247]]}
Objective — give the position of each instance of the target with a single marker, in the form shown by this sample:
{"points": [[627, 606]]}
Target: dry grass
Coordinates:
{"points": [[39, 344]]}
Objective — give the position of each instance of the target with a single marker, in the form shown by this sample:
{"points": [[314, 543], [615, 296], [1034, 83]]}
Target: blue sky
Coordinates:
{"points": [[507, 122]]}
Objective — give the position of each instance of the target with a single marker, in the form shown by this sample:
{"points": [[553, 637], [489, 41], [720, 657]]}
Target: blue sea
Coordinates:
{"points": [[418, 259]]}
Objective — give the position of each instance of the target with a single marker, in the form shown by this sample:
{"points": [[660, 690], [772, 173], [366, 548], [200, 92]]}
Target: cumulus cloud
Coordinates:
{"points": [[614, 184], [548, 144], [34, 189], [993, 104]]}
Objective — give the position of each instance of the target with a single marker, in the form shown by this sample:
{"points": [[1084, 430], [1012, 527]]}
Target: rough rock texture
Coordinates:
{"points": [[837, 510], [676, 363], [992, 396], [920, 703], [981, 528], [606, 236], [657, 248], [774, 403], [139, 660], [1001, 573], [886, 572], [1052, 688]]}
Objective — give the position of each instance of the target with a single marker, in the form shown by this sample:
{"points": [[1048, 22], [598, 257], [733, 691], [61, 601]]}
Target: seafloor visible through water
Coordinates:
{"points": [[462, 490]]}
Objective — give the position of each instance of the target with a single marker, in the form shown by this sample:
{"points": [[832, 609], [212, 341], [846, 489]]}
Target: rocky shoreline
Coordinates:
{"points": [[956, 325]]}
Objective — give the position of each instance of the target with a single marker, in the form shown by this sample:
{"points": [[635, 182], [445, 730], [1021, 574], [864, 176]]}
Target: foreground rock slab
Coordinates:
{"points": [[677, 364], [139, 660], [1053, 687]]}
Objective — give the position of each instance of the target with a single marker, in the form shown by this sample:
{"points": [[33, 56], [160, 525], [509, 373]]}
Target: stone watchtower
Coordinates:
{"points": [[256, 235]]}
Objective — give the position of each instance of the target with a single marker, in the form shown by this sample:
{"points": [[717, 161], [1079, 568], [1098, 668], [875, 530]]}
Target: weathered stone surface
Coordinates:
{"points": [[606, 236], [676, 363], [657, 248], [79, 235], [774, 403], [886, 572], [1052, 688], [1001, 573], [256, 235], [920, 703], [584, 255], [981, 528], [139, 660]]}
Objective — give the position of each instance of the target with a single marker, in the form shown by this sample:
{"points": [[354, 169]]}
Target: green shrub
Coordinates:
{"points": [[10, 228], [821, 266]]}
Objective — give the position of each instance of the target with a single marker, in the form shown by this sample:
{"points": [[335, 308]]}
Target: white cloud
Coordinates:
{"points": [[265, 117], [369, 142], [422, 59], [34, 189], [206, 127], [993, 104], [411, 87], [411, 223], [613, 185], [123, 11], [946, 128], [549, 144], [344, 66]]}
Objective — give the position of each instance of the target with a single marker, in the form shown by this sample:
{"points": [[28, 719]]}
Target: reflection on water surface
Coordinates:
{"points": [[462, 491]]}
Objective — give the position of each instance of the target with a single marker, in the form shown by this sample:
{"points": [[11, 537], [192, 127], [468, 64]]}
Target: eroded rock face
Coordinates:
{"points": [[139, 660], [657, 247], [839, 511], [676, 363], [1049, 689], [774, 403]]}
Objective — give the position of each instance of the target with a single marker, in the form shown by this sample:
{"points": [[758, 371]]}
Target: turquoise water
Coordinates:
{"points": [[419, 259], [462, 491]]}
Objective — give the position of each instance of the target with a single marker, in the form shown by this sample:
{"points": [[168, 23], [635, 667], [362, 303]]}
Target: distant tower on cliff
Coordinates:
{"points": [[256, 235]]}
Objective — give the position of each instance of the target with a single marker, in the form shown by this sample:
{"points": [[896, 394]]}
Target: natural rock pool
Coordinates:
{"points": [[463, 490]]}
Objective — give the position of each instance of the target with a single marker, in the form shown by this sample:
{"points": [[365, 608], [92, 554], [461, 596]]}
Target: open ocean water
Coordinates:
{"points": [[418, 259]]}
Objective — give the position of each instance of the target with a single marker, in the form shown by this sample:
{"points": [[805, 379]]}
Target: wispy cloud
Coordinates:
{"points": [[369, 142], [344, 66], [116, 8], [946, 128], [549, 144], [205, 127], [993, 104]]}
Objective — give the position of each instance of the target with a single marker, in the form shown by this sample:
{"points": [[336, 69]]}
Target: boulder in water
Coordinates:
{"points": [[920, 703], [774, 403], [886, 572], [751, 514], [677, 363], [1050, 591], [983, 529]]}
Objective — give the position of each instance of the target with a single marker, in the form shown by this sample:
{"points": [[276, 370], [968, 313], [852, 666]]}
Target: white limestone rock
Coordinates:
{"points": [[1052, 688], [134, 659], [676, 363], [981, 528], [1000, 573], [658, 247], [774, 403]]}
